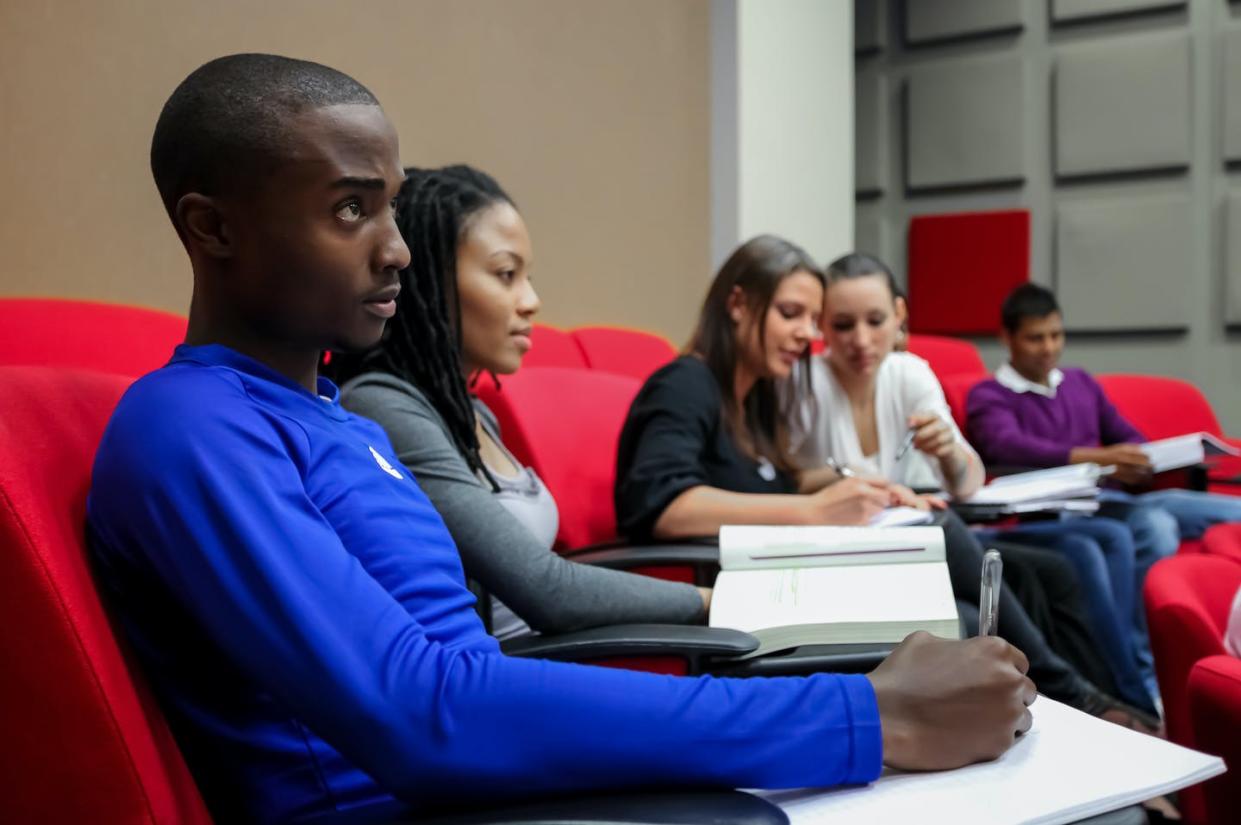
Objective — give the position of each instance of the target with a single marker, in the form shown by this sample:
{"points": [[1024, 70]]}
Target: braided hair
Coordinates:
{"points": [[422, 344]]}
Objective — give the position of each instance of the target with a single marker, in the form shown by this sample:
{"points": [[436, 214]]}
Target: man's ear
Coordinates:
{"points": [[203, 225]]}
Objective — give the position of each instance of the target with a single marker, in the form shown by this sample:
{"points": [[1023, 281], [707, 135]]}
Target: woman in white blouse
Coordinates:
{"points": [[881, 413]]}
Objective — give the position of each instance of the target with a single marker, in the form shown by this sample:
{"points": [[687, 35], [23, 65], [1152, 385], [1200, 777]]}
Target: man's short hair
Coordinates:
{"points": [[1027, 301], [229, 119]]}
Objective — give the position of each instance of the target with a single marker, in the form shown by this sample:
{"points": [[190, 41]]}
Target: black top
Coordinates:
{"points": [[674, 439]]}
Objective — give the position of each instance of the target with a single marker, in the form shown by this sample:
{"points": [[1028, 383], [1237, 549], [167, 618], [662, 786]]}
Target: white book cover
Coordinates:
{"points": [[1186, 451], [1068, 767]]}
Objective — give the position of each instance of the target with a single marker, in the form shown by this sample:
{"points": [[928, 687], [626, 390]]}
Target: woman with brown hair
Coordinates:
{"points": [[705, 443]]}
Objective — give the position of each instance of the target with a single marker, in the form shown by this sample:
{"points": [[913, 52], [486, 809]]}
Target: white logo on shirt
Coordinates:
{"points": [[384, 465]]}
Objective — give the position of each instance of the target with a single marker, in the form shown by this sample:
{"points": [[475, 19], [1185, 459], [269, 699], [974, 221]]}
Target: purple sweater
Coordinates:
{"points": [[1025, 429]]}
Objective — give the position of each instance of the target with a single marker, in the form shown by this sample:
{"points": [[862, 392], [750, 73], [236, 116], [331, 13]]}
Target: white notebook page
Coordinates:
{"points": [[1068, 767]]}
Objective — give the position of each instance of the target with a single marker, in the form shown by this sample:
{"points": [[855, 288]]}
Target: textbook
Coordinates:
{"points": [[792, 586], [1068, 767], [1186, 451]]}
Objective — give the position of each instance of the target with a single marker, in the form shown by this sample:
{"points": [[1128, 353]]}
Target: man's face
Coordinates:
{"points": [[317, 251], [1035, 347]]}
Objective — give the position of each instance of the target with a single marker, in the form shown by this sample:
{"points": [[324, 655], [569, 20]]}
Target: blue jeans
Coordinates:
{"points": [[1102, 553], [1161, 520]]}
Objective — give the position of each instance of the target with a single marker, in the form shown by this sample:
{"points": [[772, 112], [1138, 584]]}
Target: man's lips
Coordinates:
{"points": [[383, 303]]}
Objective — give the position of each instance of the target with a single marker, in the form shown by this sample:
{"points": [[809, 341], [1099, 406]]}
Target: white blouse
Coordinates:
{"points": [[823, 427]]}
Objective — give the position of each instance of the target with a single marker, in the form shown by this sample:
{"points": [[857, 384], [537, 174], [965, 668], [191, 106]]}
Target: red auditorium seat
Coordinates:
{"points": [[113, 338], [961, 267], [565, 423], [553, 347], [623, 351], [957, 392], [947, 356], [1223, 540], [1163, 407], [1215, 714], [1188, 597], [83, 741]]}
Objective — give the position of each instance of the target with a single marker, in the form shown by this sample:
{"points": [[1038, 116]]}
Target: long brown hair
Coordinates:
{"points": [[756, 268]]}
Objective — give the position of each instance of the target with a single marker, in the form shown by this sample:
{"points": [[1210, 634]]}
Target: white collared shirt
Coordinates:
{"points": [[1015, 381], [824, 428]]}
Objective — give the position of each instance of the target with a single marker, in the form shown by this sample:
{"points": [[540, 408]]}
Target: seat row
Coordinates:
{"points": [[561, 415]]}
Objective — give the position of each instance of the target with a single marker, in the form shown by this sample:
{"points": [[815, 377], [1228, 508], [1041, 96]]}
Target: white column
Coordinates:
{"points": [[782, 124]]}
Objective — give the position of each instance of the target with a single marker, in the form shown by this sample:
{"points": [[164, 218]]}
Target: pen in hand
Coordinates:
{"points": [[989, 595], [905, 445]]}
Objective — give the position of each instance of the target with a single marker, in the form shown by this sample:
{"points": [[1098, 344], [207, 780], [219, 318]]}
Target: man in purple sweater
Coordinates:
{"points": [[1035, 414]]}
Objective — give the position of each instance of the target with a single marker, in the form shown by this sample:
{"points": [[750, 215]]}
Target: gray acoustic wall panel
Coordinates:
{"points": [[1123, 105], [870, 133], [870, 26], [1232, 260], [872, 233], [1065, 10], [1231, 89], [966, 123], [1118, 262], [930, 20]]}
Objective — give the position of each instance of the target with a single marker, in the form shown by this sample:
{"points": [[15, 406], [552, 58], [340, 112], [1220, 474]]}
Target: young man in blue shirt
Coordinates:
{"points": [[298, 604]]}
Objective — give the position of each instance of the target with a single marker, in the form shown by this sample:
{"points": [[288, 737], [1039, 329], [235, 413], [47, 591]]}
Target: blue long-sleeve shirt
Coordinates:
{"points": [[303, 616]]}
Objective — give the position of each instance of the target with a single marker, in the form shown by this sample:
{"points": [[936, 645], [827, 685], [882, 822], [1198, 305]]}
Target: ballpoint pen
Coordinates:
{"points": [[905, 445], [989, 595], [841, 470]]}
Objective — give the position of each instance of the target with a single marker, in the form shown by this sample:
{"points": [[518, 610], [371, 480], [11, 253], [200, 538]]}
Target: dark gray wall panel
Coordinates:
{"points": [[966, 123], [870, 132], [1232, 260], [1231, 89], [870, 26], [1123, 105], [1063, 10], [1119, 263], [873, 233], [930, 20]]}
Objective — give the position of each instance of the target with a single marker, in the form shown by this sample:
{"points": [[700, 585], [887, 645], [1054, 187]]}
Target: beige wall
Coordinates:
{"points": [[594, 115]]}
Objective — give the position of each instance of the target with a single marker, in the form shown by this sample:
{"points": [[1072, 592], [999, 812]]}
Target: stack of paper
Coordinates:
{"points": [[1068, 767], [1186, 451], [1073, 488]]}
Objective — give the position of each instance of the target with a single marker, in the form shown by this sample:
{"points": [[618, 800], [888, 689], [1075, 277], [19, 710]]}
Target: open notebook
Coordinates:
{"points": [[1068, 767], [1185, 451], [792, 586]]}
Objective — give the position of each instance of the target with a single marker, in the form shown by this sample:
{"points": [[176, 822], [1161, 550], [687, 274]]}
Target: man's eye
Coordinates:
{"points": [[350, 212], [507, 275]]}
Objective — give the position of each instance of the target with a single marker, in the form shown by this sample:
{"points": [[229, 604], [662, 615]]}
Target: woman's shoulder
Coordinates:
{"points": [[385, 398], [907, 367], [687, 375]]}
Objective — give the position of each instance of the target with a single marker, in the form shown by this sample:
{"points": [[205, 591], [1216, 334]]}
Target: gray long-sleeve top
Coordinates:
{"points": [[550, 593]]}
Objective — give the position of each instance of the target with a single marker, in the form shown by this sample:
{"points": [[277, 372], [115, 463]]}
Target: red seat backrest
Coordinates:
{"points": [[565, 423], [552, 347], [623, 351], [1160, 407], [83, 741], [957, 392], [113, 338], [1188, 597], [1215, 709], [947, 356]]}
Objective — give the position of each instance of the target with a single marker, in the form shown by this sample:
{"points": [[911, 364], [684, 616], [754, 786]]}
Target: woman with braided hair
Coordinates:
{"points": [[465, 308]]}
